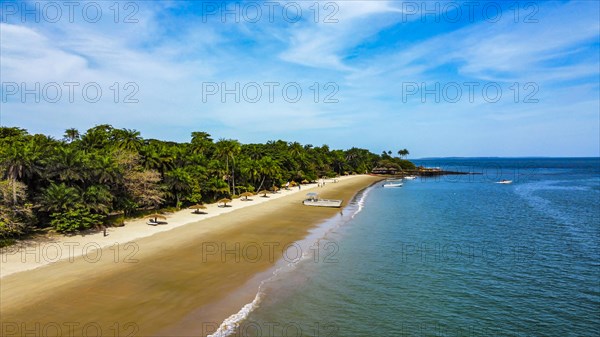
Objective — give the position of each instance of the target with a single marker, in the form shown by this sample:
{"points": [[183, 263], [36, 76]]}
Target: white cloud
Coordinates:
{"points": [[323, 45], [504, 50], [37, 60], [170, 56]]}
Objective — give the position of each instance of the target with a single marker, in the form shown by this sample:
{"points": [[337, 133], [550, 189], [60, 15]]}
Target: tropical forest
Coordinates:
{"points": [[105, 175]]}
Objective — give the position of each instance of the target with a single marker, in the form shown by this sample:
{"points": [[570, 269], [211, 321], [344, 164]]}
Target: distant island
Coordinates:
{"points": [[106, 174]]}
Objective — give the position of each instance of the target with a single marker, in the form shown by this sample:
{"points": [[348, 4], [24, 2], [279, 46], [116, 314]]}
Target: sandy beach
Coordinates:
{"points": [[140, 280]]}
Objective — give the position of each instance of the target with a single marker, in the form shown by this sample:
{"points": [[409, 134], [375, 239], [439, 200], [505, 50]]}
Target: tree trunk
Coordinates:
{"points": [[227, 168], [233, 174], [261, 183], [14, 190]]}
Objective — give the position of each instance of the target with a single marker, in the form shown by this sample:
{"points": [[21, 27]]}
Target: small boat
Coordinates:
{"points": [[504, 181], [314, 200], [410, 177], [393, 184]]}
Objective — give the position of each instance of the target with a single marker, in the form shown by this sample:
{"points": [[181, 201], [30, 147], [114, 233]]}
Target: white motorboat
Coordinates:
{"points": [[314, 200], [504, 181], [410, 178], [393, 184]]}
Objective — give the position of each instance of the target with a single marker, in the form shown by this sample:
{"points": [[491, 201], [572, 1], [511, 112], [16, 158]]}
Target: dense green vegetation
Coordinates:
{"points": [[86, 180]]}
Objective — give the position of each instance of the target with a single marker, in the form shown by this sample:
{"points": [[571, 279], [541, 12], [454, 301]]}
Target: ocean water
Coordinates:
{"points": [[448, 256]]}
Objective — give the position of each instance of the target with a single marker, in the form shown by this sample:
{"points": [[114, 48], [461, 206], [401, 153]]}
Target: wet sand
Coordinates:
{"points": [[145, 287]]}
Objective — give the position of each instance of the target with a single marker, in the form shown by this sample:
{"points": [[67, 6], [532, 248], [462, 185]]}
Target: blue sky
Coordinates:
{"points": [[477, 78]]}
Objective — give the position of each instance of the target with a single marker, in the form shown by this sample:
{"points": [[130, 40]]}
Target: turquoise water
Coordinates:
{"points": [[451, 256]]}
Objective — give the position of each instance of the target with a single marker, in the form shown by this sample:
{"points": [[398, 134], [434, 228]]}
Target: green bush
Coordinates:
{"points": [[74, 219], [115, 221], [7, 242]]}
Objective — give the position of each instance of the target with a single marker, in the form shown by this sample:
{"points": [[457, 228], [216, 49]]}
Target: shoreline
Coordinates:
{"points": [[254, 291], [171, 274]]}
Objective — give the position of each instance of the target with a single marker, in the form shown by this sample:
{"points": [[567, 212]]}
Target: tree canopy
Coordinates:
{"points": [[77, 182]]}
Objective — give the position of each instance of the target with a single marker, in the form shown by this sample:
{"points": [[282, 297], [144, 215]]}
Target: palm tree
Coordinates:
{"points": [[217, 186], [296, 150], [361, 160], [67, 164], [352, 156], [97, 137], [98, 199], [254, 151], [268, 168], [298, 154], [127, 139], [225, 149], [403, 153], [105, 169], [339, 160], [59, 197], [150, 159], [178, 181], [249, 169], [157, 156], [71, 135], [201, 143], [12, 132], [20, 161]]}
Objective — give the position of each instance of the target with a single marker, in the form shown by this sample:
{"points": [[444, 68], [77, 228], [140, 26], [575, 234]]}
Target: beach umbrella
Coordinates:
{"points": [[264, 193], [304, 181], [245, 195], [293, 183], [157, 216], [274, 188], [224, 201], [197, 207]]}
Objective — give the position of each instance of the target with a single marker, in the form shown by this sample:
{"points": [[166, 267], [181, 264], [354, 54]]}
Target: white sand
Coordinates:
{"points": [[33, 254]]}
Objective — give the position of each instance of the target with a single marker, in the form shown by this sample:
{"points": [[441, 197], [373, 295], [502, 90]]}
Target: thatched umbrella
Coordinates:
{"points": [[197, 208], [293, 183], [264, 193], [274, 189], [224, 201], [245, 195], [304, 181], [157, 216]]}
